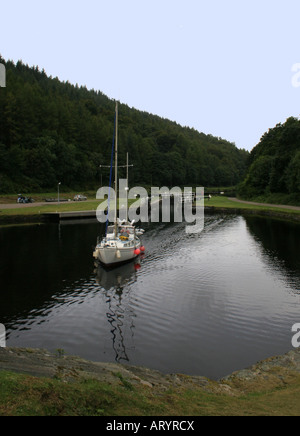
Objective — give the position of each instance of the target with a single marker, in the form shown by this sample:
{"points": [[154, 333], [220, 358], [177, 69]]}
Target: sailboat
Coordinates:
{"points": [[121, 242]]}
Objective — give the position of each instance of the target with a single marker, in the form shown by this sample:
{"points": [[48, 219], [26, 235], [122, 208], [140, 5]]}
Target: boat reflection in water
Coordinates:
{"points": [[116, 278], [116, 284]]}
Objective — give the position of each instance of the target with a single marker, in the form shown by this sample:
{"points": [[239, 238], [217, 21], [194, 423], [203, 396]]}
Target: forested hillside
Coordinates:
{"points": [[52, 131], [274, 164]]}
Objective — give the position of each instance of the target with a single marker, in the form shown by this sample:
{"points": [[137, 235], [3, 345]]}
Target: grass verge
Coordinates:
{"points": [[226, 203], [49, 208], [22, 395]]}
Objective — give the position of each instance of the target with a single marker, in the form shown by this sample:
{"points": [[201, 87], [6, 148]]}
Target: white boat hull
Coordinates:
{"points": [[115, 255]]}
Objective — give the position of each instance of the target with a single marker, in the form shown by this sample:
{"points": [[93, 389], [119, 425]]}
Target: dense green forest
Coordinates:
{"points": [[274, 164], [53, 131]]}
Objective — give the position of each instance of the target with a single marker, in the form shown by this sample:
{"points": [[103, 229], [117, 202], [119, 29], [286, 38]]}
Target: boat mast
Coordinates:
{"points": [[127, 187], [116, 173]]}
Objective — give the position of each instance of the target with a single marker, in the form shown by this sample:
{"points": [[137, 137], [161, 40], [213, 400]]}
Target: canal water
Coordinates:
{"points": [[202, 304]]}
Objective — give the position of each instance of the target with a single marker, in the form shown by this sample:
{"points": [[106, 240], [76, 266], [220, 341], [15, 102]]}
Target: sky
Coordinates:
{"points": [[223, 67]]}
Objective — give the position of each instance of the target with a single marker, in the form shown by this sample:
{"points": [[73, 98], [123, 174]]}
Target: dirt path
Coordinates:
{"points": [[281, 206]]}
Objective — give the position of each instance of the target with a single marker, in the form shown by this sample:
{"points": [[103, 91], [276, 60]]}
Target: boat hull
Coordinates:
{"points": [[110, 256]]}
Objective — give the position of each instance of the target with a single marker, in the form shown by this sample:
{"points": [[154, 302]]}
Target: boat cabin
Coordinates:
{"points": [[123, 231]]}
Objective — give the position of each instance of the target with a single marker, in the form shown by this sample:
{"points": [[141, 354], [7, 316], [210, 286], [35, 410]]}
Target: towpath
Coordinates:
{"points": [[281, 206], [22, 205]]}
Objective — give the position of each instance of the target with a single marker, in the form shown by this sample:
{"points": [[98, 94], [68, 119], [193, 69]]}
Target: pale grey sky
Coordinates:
{"points": [[221, 66]]}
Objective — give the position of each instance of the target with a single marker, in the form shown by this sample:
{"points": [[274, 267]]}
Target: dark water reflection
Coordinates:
{"points": [[204, 304], [280, 241]]}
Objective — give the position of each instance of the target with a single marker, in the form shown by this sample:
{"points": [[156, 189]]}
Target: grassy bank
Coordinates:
{"points": [[222, 202], [24, 395], [52, 207], [34, 213], [39, 383], [289, 199]]}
